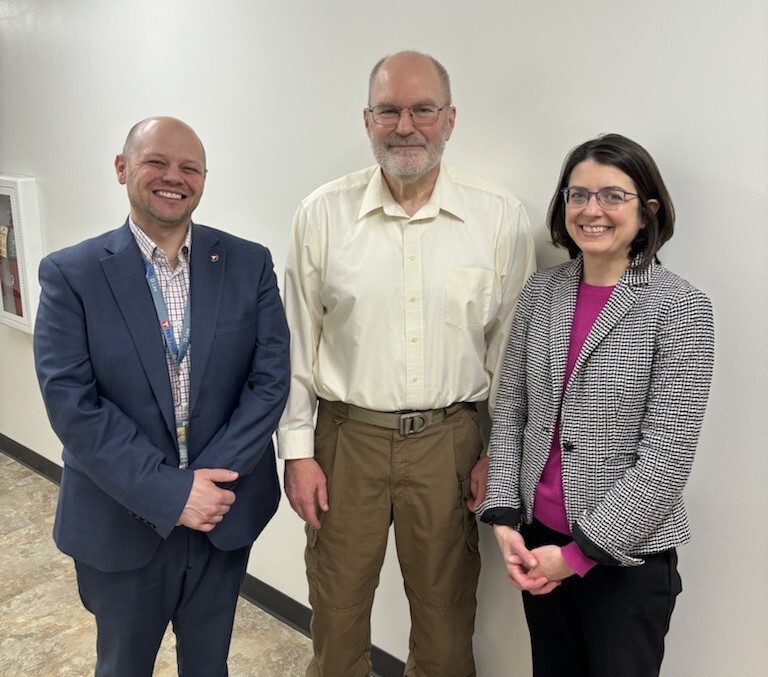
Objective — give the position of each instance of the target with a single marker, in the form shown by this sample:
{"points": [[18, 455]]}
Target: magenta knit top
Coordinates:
{"points": [[549, 504]]}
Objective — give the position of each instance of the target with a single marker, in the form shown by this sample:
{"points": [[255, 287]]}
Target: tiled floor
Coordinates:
{"points": [[44, 630]]}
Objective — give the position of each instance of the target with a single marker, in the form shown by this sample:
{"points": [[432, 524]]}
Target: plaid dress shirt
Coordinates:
{"points": [[174, 286]]}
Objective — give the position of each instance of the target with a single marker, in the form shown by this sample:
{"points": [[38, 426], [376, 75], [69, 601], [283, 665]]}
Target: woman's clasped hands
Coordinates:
{"points": [[538, 571]]}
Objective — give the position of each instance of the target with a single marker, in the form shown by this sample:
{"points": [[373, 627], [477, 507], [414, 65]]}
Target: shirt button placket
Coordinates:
{"points": [[414, 321]]}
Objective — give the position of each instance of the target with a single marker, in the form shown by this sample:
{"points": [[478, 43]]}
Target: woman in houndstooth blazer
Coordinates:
{"points": [[598, 413]]}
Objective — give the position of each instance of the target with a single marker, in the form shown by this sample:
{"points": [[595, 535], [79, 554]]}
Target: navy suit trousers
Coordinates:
{"points": [[188, 583]]}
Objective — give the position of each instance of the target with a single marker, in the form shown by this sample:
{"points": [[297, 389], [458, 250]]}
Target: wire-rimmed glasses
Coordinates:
{"points": [[607, 198], [421, 113]]}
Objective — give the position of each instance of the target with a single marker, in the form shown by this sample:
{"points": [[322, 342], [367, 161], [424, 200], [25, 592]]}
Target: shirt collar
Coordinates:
{"points": [[445, 197], [149, 249]]}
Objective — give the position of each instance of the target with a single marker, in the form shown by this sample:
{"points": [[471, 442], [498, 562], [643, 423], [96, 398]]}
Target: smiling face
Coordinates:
{"points": [[604, 236], [405, 151], [163, 169]]}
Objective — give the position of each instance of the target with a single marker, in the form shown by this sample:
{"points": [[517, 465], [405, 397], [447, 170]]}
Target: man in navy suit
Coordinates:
{"points": [[162, 353]]}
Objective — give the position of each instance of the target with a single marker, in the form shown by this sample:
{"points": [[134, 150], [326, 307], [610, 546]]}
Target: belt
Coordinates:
{"points": [[405, 422]]}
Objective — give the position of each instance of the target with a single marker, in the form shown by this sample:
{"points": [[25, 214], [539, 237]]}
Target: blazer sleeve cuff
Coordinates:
{"points": [[509, 517], [596, 553]]}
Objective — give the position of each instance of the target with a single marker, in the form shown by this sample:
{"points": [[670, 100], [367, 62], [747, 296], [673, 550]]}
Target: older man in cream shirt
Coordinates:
{"points": [[400, 288]]}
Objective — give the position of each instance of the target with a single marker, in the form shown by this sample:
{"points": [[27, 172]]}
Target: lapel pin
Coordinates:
{"points": [[214, 258]]}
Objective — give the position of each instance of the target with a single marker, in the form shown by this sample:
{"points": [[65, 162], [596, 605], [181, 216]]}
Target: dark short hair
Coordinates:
{"points": [[631, 158]]}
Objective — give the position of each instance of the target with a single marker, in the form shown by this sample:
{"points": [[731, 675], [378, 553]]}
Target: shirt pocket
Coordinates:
{"points": [[468, 294]]}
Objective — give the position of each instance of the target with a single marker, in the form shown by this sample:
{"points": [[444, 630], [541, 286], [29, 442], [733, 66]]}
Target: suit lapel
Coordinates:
{"points": [[206, 286], [125, 276]]}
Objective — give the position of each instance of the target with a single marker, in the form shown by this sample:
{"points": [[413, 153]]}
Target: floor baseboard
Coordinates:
{"points": [[30, 459], [267, 598]]}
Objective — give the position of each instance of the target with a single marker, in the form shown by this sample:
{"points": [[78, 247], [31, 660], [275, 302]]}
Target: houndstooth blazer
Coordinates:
{"points": [[630, 415]]}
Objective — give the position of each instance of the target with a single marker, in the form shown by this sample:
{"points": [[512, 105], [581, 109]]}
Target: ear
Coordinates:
{"points": [[449, 122], [651, 206], [367, 121], [121, 164]]}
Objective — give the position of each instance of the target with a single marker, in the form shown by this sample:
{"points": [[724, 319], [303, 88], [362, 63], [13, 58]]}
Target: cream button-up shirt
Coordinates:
{"points": [[394, 312]]}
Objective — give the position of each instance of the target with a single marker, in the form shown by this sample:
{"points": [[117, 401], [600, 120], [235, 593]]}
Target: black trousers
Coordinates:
{"points": [[611, 623], [188, 583]]}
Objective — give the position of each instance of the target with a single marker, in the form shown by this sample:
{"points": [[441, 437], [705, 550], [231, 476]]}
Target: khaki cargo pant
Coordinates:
{"points": [[377, 477]]}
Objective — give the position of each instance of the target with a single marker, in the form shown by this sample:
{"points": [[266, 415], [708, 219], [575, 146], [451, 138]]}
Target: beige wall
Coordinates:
{"points": [[276, 90]]}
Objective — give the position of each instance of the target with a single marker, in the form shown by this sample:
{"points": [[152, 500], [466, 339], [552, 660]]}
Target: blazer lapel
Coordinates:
{"points": [[125, 276], [208, 264], [561, 318], [622, 299]]}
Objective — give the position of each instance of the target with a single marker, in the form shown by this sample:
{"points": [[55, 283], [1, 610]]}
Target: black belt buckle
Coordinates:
{"points": [[412, 422]]}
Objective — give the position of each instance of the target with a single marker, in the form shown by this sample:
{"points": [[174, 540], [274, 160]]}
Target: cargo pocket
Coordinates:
{"points": [[467, 448], [469, 520]]}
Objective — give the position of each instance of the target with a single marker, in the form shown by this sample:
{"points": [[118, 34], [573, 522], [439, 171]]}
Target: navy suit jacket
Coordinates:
{"points": [[101, 364]]}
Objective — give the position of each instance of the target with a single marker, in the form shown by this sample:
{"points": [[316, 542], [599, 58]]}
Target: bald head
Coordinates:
{"points": [[163, 167], [403, 61], [157, 126]]}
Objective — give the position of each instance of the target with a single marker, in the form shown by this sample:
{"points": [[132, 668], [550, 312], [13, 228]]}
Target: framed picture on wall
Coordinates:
{"points": [[21, 249]]}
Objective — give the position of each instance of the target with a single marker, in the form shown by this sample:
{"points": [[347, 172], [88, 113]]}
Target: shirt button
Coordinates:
{"points": [[415, 379], [413, 299], [411, 258], [414, 339]]}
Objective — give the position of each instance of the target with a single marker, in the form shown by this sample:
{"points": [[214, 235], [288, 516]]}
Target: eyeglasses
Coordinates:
{"points": [[607, 198], [421, 114]]}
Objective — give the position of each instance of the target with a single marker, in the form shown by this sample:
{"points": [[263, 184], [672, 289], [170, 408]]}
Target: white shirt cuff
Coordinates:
{"points": [[298, 443]]}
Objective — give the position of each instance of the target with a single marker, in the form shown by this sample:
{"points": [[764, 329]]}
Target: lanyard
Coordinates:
{"points": [[178, 352]]}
